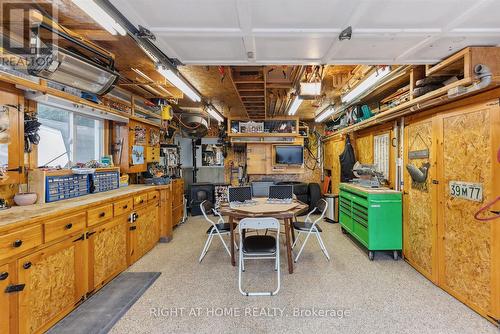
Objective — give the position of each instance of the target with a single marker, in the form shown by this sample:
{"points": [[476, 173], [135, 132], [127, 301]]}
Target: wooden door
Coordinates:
{"points": [[5, 280], [107, 251], [147, 233], [420, 223], [468, 248], [165, 213], [256, 159], [55, 279]]}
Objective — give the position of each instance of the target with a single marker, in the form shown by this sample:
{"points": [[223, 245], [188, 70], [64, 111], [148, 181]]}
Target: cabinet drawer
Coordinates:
{"points": [[100, 214], [153, 196], [345, 221], [64, 226], [123, 206], [140, 200], [19, 241], [361, 232]]}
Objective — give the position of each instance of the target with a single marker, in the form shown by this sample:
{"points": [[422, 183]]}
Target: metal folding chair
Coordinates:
{"points": [[218, 228], [259, 247], [310, 227]]}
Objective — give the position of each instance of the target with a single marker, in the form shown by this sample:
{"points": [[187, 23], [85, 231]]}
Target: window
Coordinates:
{"points": [[67, 137]]}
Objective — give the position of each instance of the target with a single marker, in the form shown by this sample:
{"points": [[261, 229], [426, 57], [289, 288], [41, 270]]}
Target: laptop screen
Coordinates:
{"points": [[281, 192], [240, 194]]}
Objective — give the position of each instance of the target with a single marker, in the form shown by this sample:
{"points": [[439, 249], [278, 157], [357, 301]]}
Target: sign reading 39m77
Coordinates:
{"points": [[467, 190]]}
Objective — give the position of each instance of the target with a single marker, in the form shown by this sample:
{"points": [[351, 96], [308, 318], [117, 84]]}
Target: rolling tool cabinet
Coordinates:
{"points": [[372, 216]]}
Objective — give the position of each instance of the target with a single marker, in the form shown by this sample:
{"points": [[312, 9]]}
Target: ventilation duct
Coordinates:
{"points": [[71, 69], [193, 125]]}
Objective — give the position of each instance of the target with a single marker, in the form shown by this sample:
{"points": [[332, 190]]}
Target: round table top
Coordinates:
{"points": [[276, 210]]}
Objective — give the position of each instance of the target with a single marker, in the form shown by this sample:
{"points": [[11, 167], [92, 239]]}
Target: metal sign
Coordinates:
{"points": [[467, 190], [420, 154]]}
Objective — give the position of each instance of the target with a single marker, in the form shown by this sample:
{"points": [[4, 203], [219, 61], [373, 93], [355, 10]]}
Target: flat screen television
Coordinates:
{"points": [[289, 155]]}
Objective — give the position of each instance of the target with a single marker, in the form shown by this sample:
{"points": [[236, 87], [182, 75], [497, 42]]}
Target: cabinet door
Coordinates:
{"points": [[107, 251], [147, 233], [420, 223], [5, 280], [12, 140], [256, 159], [468, 249], [55, 279]]}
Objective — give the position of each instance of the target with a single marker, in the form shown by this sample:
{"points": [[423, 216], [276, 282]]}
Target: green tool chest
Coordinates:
{"points": [[373, 217]]}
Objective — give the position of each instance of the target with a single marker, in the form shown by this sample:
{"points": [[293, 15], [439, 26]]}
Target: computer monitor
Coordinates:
{"points": [[239, 194], [281, 192]]}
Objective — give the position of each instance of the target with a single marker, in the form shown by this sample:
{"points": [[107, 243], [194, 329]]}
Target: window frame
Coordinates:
{"points": [[72, 151]]}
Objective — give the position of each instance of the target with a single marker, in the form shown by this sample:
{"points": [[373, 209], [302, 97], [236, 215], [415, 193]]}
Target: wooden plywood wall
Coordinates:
{"points": [[466, 247], [336, 148], [363, 146], [419, 227]]}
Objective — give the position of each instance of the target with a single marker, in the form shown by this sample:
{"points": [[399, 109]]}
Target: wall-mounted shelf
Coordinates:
{"points": [[459, 64]]}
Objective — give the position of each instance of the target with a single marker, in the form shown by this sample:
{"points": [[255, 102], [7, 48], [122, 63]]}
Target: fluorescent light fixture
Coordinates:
{"points": [[295, 106], [174, 79], [310, 88], [214, 113], [368, 83], [100, 16], [326, 113]]}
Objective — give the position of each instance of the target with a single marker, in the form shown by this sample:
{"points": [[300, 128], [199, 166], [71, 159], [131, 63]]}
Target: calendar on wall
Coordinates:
{"points": [[381, 153]]}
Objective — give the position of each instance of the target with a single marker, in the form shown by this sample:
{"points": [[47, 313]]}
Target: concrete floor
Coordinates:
{"points": [[354, 294]]}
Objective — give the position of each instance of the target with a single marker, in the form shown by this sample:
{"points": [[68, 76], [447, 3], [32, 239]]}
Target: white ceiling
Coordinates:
{"points": [[306, 31]]}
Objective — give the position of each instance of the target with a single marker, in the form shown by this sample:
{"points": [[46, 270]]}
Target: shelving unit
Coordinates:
{"points": [[460, 64]]}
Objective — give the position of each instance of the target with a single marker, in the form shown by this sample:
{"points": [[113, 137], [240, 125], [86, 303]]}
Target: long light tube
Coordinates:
{"points": [[326, 113], [100, 16], [295, 106], [179, 83], [368, 83], [214, 113]]}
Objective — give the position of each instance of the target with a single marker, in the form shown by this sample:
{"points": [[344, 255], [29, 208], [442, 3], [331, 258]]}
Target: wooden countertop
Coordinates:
{"points": [[20, 215], [381, 190]]}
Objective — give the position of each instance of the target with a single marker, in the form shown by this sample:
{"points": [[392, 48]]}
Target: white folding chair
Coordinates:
{"points": [[218, 228], [310, 227], [259, 247]]}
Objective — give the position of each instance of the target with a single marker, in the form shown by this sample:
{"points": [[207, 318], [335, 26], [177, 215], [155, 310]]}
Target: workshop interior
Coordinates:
{"points": [[236, 166]]}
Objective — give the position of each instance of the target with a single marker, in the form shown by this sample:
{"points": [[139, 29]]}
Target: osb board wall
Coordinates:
{"points": [[419, 229], [467, 241], [363, 147], [336, 148]]}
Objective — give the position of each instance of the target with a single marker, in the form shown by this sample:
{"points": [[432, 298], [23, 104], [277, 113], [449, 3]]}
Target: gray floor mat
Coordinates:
{"points": [[101, 311]]}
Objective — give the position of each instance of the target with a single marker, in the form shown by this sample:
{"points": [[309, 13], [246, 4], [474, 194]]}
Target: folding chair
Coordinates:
{"points": [[309, 227], [220, 228], [259, 247]]}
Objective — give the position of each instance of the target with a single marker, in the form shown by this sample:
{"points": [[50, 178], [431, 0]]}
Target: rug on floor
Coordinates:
{"points": [[101, 311]]}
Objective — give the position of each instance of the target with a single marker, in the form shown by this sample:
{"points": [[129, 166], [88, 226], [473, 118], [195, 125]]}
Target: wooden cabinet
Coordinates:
{"points": [[256, 159], [144, 231], [442, 238], [177, 201], [107, 251], [55, 263], [54, 281], [165, 213], [5, 281]]}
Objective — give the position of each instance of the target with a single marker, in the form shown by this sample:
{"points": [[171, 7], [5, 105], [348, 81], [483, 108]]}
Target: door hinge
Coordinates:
{"points": [[435, 182], [132, 228], [14, 288], [18, 169], [80, 238]]}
